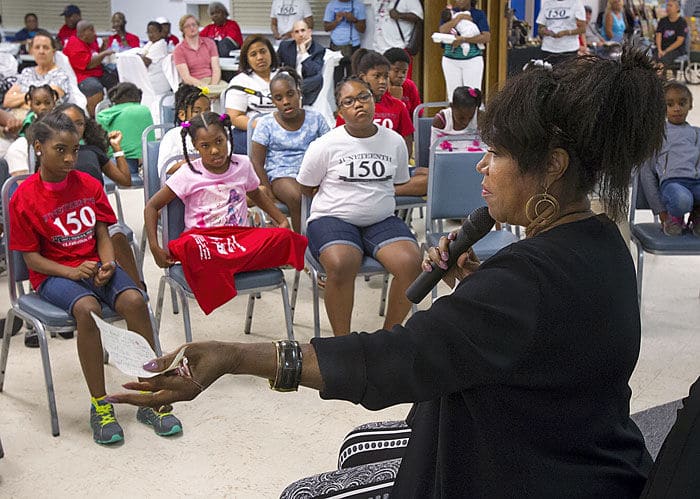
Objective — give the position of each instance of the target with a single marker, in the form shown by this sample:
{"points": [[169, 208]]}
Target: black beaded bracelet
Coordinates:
{"points": [[289, 363]]}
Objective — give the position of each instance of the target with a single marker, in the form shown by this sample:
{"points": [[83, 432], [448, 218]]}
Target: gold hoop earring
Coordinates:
{"points": [[542, 209]]}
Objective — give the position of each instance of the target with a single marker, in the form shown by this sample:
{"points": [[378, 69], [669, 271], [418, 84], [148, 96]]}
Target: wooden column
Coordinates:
{"points": [[496, 63], [433, 81]]}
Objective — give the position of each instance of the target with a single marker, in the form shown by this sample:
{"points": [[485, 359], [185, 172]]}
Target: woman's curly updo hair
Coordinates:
{"points": [[609, 116]]}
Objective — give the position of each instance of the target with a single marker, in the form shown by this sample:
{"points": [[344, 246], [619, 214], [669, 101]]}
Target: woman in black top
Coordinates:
{"points": [[519, 378]]}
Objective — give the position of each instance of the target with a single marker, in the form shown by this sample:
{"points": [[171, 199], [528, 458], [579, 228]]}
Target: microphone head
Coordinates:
{"points": [[479, 222]]}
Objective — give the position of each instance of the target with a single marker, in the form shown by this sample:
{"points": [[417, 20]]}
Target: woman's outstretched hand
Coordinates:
{"points": [[202, 364], [438, 255]]}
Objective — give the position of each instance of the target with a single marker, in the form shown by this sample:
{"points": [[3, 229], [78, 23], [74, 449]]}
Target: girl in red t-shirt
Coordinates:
{"points": [[60, 219]]}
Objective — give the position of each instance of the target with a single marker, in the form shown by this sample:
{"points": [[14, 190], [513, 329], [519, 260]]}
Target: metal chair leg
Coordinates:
{"points": [[7, 335], [382, 301], [186, 316], [159, 301], [48, 378], [288, 313], [640, 273], [315, 298], [295, 291], [249, 313]]}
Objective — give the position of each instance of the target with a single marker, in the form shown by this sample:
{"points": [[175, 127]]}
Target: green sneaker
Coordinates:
{"points": [[163, 423], [105, 429]]}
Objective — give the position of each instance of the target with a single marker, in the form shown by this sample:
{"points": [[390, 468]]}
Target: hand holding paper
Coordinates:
{"points": [[129, 351]]}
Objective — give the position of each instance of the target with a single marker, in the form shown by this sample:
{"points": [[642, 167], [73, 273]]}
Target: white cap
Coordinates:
{"points": [[162, 20]]}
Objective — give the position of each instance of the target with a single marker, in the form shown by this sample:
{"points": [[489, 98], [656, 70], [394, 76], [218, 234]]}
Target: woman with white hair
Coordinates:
{"points": [[225, 32]]}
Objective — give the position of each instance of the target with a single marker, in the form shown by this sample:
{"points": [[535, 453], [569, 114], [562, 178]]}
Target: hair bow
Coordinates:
{"points": [[223, 116], [538, 63], [472, 92], [204, 91], [185, 124]]}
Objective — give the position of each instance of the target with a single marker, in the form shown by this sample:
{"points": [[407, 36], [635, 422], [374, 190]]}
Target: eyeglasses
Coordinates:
{"points": [[350, 101]]}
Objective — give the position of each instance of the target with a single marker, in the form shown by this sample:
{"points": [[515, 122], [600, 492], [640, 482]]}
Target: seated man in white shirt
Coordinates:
{"points": [[306, 56]]}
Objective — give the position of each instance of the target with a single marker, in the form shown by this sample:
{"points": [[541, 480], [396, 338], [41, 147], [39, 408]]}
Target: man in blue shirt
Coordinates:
{"points": [[31, 24], [345, 19]]}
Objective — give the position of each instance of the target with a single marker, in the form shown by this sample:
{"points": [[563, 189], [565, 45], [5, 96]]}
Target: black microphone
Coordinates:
{"points": [[477, 225]]}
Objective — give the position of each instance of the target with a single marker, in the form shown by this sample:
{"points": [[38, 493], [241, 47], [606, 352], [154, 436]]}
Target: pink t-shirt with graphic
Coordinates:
{"points": [[215, 200]]}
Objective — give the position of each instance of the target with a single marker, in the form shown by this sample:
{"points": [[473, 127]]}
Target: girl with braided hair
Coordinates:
{"points": [[40, 100], [281, 139], [189, 101], [213, 187]]}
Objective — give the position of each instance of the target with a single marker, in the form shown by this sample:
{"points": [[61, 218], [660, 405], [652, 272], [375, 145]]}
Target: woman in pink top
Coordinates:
{"points": [[196, 58]]}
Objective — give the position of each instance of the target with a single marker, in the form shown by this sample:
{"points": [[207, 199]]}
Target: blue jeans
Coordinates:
{"points": [[680, 195]]}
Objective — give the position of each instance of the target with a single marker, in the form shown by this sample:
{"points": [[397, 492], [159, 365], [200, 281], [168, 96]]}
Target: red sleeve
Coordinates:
{"points": [[103, 210], [133, 40], [339, 121], [234, 31], [22, 236], [78, 57], [411, 92], [207, 31], [405, 125]]}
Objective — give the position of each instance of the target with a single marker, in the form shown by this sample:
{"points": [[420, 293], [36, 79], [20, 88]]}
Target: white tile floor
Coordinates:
{"points": [[243, 440]]}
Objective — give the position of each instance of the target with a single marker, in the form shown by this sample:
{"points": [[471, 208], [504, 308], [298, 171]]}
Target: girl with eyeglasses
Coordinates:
{"points": [[355, 169], [373, 68]]}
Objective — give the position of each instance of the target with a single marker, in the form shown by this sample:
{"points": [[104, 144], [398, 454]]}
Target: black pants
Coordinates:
{"points": [[343, 69], [675, 472]]}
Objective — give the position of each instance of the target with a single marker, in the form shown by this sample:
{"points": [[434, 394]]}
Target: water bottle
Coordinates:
{"points": [[115, 46], [171, 46]]}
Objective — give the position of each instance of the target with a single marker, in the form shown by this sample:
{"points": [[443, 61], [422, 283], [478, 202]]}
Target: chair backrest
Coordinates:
{"points": [[421, 136], [454, 185], [76, 96], [166, 104], [150, 149], [638, 199], [172, 217], [131, 68], [17, 271], [8, 64], [250, 130], [102, 105], [325, 102], [170, 72]]}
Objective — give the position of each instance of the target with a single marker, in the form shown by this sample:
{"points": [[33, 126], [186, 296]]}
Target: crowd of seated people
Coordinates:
{"points": [[270, 94]]}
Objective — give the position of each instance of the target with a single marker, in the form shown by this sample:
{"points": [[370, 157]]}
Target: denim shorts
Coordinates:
{"points": [[327, 231], [64, 292]]}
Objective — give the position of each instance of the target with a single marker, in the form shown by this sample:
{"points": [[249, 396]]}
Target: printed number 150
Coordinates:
{"points": [[377, 169], [84, 218]]}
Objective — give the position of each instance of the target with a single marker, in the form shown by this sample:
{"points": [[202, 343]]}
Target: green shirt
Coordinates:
{"points": [[131, 118]]}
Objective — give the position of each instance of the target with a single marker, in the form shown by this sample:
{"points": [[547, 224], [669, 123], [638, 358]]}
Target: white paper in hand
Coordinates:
{"points": [[128, 351]]}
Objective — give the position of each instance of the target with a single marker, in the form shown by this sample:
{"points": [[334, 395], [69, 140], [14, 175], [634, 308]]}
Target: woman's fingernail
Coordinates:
{"points": [[151, 365], [111, 400], [442, 265], [426, 267], [444, 255]]}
